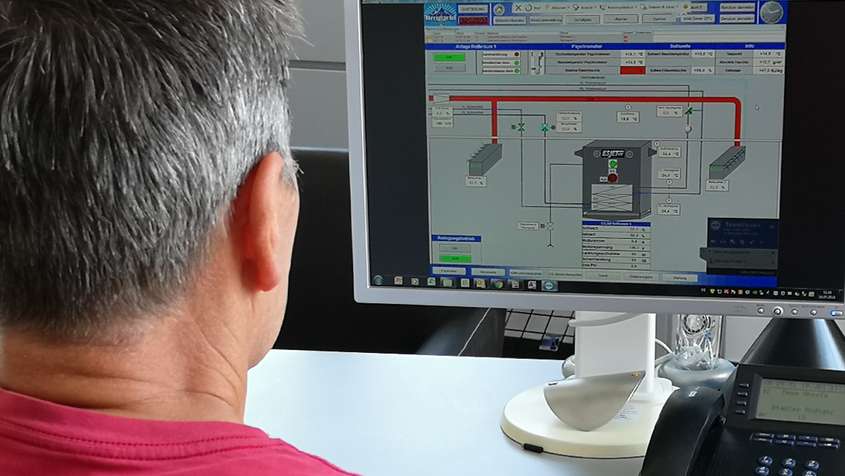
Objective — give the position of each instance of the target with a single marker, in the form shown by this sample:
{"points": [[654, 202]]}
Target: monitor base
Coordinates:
{"points": [[529, 421]]}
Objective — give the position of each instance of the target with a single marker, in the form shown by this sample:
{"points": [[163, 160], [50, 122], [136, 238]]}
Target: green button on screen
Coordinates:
{"points": [[455, 259], [450, 57]]}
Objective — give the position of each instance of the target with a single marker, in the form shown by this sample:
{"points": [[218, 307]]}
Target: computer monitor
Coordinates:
{"points": [[637, 156]]}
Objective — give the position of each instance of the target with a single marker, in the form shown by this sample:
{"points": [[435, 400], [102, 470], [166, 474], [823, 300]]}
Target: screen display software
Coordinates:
{"points": [[604, 147]]}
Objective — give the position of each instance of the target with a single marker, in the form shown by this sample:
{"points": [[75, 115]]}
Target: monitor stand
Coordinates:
{"points": [[626, 346], [814, 344]]}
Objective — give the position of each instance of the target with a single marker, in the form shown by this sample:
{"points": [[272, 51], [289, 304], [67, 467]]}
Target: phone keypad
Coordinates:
{"points": [[788, 467]]}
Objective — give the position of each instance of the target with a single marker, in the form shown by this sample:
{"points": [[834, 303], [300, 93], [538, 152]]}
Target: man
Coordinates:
{"points": [[147, 212]]}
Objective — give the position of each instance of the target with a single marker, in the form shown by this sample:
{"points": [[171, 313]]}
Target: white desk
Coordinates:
{"points": [[406, 415]]}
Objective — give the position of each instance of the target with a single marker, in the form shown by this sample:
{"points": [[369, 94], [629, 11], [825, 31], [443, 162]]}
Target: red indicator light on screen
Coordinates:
{"points": [[612, 178], [473, 21], [635, 70]]}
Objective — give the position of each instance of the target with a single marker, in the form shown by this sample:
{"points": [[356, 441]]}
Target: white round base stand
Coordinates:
{"points": [[529, 421]]}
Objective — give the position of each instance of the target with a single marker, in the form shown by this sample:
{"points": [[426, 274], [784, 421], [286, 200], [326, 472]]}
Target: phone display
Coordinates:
{"points": [[803, 402]]}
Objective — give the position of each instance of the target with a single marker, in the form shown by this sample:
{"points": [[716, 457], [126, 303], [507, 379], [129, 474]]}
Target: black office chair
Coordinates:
{"points": [[322, 313]]}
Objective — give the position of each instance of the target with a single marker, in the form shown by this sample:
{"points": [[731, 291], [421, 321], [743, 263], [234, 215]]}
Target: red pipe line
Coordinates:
{"points": [[495, 100], [494, 108]]}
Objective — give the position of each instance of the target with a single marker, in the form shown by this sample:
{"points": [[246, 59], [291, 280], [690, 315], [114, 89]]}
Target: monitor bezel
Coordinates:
{"points": [[365, 292]]}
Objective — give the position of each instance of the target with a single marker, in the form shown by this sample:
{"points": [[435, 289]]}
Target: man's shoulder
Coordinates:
{"points": [[39, 437], [284, 459]]}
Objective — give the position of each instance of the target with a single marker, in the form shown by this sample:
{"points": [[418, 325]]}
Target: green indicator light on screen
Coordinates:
{"points": [[455, 259], [450, 57]]}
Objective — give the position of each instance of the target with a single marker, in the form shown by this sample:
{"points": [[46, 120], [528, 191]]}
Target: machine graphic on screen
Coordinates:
{"points": [[617, 177]]}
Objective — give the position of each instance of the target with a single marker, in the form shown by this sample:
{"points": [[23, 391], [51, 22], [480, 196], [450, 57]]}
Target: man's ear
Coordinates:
{"points": [[257, 224]]}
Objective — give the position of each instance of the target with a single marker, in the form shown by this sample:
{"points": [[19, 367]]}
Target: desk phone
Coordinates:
{"points": [[769, 421]]}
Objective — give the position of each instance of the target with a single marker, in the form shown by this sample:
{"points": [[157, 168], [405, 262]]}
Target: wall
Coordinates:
{"points": [[318, 88], [740, 333]]}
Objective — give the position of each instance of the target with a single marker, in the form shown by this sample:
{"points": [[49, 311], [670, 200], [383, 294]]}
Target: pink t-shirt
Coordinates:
{"points": [[38, 437]]}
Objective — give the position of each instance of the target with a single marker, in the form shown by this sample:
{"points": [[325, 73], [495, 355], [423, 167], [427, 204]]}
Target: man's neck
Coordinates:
{"points": [[163, 376]]}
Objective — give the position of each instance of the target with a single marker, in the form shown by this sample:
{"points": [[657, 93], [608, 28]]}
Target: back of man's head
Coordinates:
{"points": [[126, 130]]}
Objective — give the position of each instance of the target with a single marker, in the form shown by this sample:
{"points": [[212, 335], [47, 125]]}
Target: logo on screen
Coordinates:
{"points": [[441, 13], [612, 154]]}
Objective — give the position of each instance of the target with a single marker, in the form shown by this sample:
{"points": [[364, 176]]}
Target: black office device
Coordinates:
{"points": [[782, 415]]}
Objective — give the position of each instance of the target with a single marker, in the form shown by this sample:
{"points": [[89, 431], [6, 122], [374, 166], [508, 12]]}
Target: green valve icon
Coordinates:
{"points": [[613, 163]]}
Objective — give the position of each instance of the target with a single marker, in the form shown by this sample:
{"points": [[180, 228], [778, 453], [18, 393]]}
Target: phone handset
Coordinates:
{"points": [[680, 439]]}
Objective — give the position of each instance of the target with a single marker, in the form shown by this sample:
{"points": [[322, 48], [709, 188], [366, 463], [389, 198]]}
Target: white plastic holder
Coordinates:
{"points": [[626, 346], [605, 343]]}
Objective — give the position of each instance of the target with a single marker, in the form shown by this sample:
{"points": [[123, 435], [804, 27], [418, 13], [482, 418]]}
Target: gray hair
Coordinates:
{"points": [[126, 129]]}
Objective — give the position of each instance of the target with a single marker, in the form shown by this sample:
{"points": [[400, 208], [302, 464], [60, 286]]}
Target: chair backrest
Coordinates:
{"points": [[322, 313], [321, 271]]}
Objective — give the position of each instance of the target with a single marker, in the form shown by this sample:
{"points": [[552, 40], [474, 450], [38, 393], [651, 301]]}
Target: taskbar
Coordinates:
{"points": [[616, 288]]}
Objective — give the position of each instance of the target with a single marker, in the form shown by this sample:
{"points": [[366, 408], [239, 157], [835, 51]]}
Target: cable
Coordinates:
{"points": [[663, 344], [474, 331], [663, 360]]}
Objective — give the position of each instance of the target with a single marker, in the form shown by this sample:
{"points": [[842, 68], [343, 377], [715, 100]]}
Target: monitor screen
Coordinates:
{"points": [[681, 152]]}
